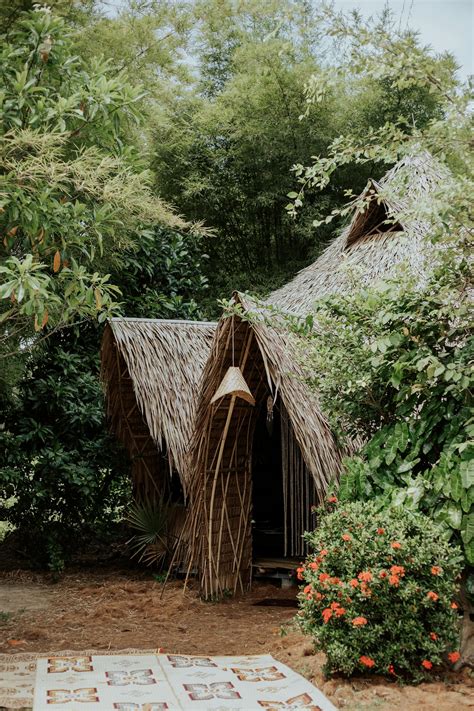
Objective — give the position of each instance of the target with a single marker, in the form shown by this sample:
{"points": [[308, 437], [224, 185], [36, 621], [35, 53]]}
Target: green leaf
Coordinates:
{"points": [[456, 486], [467, 473]]}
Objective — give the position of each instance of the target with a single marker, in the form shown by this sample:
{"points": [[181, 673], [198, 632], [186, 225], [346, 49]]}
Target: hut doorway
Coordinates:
{"points": [[268, 515], [283, 490]]}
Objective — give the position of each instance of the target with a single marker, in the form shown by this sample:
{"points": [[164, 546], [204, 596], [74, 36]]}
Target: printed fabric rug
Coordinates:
{"points": [[132, 680]]}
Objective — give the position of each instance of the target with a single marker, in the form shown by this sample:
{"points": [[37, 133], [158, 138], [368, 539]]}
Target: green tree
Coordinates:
{"points": [[224, 146], [73, 192]]}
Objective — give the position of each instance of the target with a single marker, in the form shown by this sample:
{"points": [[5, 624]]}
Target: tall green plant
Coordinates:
{"points": [[72, 190]]}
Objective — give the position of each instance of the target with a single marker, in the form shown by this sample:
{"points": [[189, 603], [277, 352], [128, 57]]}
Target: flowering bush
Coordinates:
{"points": [[378, 592]]}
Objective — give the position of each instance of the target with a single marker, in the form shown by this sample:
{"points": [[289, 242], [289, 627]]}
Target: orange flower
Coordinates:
{"points": [[332, 500], [365, 589], [432, 595], [366, 661], [340, 611], [327, 614], [454, 606], [323, 553], [397, 570], [427, 664], [308, 589], [354, 583], [313, 566], [299, 573], [334, 605], [391, 669], [435, 570], [433, 636], [359, 621], [319, 596], [346, 537], [335, 581], [394, 580], [383, 574], [395, 545], [381, 531], [366, 576], [323, 577], [453, 657]]}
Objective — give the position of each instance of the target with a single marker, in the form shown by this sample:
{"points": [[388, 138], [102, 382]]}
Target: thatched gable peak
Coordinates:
{"points": [[362, 254]]}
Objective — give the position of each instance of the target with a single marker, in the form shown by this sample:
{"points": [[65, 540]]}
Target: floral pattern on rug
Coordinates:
{"points": [[118, 681]]}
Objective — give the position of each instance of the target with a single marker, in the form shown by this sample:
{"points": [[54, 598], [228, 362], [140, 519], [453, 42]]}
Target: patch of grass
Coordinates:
{"points": [[4, 617]]}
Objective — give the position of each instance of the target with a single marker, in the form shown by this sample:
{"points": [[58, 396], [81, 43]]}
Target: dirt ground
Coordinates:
{"points": [[124, 609]]}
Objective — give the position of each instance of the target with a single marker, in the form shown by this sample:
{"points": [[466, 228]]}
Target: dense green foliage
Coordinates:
{"points": [[72, 192], [379, 593], [397, 363], [62, 472]]}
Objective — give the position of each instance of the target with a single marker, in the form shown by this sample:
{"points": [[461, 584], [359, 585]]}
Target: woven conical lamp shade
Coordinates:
{"points": [[233, 383]]}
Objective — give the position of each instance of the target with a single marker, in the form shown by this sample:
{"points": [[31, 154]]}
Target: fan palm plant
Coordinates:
{"points": [[151, 520]]}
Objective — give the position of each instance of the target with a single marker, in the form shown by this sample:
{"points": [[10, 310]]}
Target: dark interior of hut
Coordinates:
{"points": [[267, 485]]}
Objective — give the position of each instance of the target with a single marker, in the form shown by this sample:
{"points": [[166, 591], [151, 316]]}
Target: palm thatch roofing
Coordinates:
{"points": [[387, 229], [151, 369]]}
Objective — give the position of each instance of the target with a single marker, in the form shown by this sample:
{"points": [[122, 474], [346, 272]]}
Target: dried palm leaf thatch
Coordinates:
{"points": [[387, 229], [151, 370]]}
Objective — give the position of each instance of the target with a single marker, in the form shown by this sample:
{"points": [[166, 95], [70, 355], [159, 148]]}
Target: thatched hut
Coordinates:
{"points": [[151, 369], [262, 452]]}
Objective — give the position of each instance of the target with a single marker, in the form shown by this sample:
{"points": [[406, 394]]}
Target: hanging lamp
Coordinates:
{"points": [[233, 383]]}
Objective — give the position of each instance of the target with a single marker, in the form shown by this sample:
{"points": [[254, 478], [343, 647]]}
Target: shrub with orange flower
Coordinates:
{"points": [[368, 601], [454, 657], [427, 664]]}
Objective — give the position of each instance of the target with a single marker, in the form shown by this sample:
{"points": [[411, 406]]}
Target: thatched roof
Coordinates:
{"points": [[165, 360], [368, 249]]}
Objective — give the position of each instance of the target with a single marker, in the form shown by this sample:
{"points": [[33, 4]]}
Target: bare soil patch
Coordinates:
{"points": [[122, 609]]}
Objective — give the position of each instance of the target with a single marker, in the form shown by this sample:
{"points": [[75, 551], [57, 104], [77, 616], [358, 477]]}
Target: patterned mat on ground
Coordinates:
{"points": [[146, 681]]}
